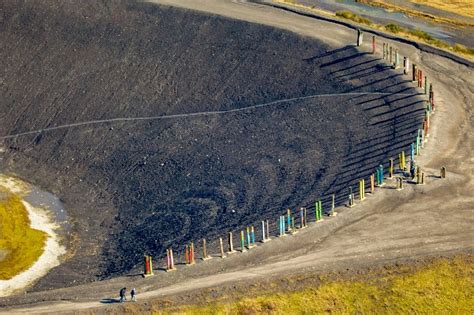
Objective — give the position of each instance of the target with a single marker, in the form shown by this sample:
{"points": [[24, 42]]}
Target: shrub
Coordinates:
{"points": [[353, 17], [393, 28]]}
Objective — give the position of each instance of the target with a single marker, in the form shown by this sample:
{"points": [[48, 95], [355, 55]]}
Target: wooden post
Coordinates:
{"points": [[372, 184], [333, 206], [221, 243], [205, 256], [231, 244]]}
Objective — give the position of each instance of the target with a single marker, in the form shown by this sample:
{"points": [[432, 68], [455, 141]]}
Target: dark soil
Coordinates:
{"points": [[138, 187]]}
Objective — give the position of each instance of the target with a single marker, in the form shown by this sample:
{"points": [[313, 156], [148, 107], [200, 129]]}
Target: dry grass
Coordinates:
{"points": [[442, 287], [416, 13], [416, 35], [22, 244], [461, 7]]}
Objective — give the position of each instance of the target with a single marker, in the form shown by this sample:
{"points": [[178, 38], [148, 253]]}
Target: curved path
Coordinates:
{"points": [[434, 219], [186, 115]]}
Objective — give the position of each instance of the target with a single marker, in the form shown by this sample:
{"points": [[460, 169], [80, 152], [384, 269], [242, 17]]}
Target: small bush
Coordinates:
{"points": [[421, 34], [393, 28], [353, 17]]}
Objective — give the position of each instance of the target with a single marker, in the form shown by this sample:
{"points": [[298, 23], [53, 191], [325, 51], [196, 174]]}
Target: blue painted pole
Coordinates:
{"points": [[381, 174], [301, 218], [253, 235], [248, 237], [288, 213]]}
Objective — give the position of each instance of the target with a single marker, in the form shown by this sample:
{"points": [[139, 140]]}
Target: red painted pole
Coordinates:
{"points": [[186, 254]]}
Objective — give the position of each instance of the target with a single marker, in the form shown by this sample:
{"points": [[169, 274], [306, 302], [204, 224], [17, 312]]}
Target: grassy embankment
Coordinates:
{"points": [[416, 35], [442, 287], [22, 244], [461, 7], [454, 8]]}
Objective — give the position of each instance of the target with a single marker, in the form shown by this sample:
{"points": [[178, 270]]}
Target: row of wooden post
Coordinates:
{"points": [[287, 222]]}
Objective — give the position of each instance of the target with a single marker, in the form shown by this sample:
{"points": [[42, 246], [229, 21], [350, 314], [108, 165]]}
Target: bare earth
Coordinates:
{"points": [[430, 220]]}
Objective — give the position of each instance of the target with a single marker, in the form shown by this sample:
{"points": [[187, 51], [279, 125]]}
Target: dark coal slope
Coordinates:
{"points": [[135, 187]]}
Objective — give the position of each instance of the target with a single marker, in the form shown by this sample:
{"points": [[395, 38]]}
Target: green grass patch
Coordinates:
{"points": [[393, 28], [22, 244], [442, 287], [353, 17]]}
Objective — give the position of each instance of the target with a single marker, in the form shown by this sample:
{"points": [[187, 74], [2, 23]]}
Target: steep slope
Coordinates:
{"points": [[140, 185]]}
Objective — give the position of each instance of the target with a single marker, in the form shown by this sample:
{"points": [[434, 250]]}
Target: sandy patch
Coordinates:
{"points": [[40, 220]]}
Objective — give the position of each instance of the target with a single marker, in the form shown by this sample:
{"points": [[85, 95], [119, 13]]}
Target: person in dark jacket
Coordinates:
{"points": [[133, 294], [122, 295]]}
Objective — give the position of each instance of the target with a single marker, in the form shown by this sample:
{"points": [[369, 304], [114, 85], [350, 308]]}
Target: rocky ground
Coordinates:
{"points": [[390, 226]]}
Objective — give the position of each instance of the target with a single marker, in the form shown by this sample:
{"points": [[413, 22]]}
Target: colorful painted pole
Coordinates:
{"points": [[189, 254], [252, 233], [403, 162], [381, 174], [169, 260], [302, 223], [414, 73], [412, 152], [442, 173], [390, 55], [384, 51], [426, 85], [242, 241], [362, 189], [391, 170], [186, 254], [319, 211], [221, 243], [288, 218], [248, 237], [293, 229], [148, 266], [282, 226], [418, 142], [418, 175], [373, 45], [231, 244]]}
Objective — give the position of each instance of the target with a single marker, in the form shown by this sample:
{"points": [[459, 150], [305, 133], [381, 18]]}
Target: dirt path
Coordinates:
{"points": [[392, 225], [190, 115]]}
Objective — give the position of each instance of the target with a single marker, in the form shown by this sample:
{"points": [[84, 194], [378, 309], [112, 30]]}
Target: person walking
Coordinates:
{"points": [[122, 295], [133, 294]]}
